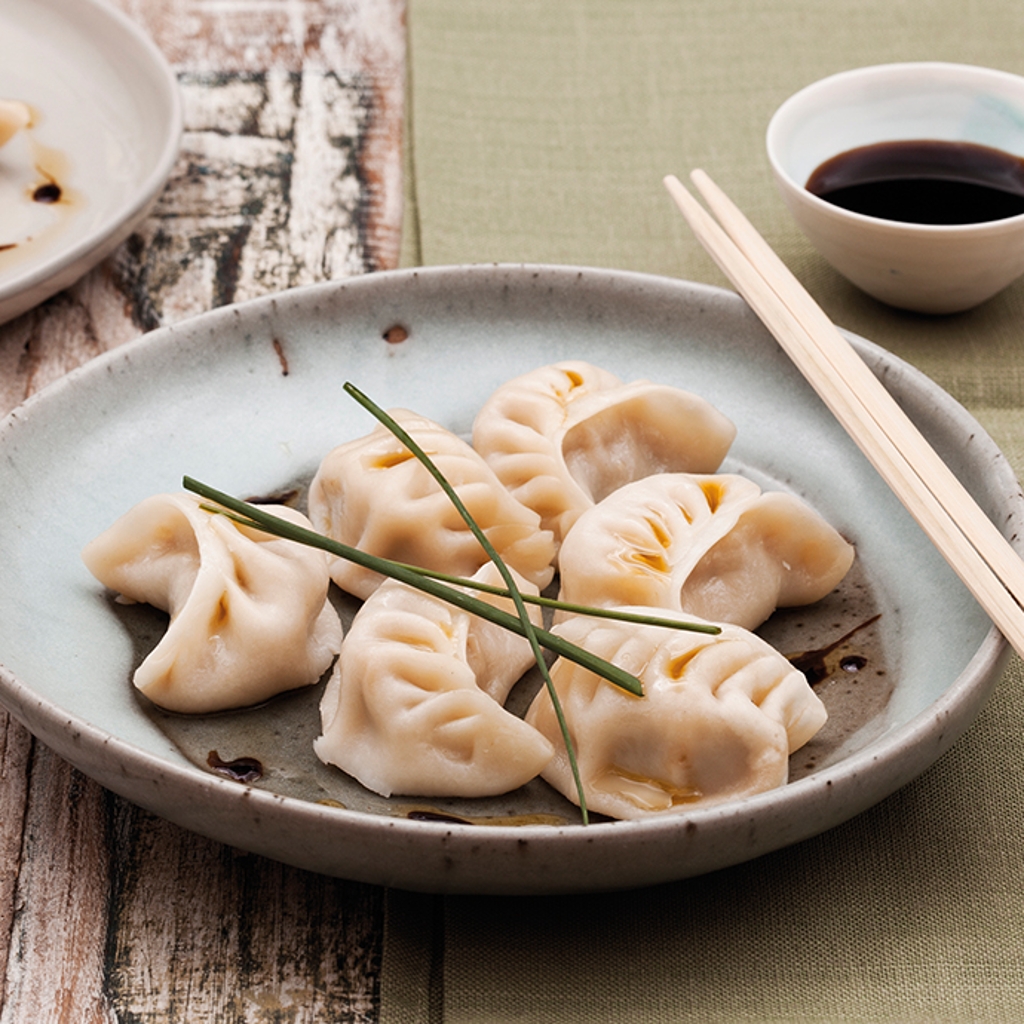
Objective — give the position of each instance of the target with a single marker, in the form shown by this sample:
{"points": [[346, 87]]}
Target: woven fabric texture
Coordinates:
{"points": [[540, 132]]}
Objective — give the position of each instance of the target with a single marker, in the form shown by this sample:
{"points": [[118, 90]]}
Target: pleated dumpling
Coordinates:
{"points": [[249, 615], [414, 704], [14, 115], [373, 494], [719, 719], [564, 436], [713, 546]]}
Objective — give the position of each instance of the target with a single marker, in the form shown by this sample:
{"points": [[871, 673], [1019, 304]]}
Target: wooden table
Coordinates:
{"points": [[289, 173]]}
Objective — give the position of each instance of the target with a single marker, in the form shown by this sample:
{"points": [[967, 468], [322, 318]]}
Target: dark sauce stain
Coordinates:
{"points": [[839, 645], [815, 664], [396, 334], [452, 819], [239, 769], [48, 193], [282, 358], [289, 496]]}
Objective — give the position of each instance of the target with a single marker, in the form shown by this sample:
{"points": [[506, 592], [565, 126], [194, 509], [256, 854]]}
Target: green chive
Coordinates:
{"points": [[529, 629], [259, 519]]}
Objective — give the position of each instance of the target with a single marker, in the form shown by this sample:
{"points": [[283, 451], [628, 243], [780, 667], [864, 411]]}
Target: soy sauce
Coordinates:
{"points": [[924, 182], [239, 769], [48, 193]]}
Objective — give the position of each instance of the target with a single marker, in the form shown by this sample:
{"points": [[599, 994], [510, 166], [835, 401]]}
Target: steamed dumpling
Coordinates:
{"points": [[414, 704], [373, 494], [249, 616], [14, 115], [564, 436], [712, 546], [719, 719]]}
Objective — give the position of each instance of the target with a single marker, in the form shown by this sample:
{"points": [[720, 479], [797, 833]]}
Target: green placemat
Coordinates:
{"points": [[540, 132]]}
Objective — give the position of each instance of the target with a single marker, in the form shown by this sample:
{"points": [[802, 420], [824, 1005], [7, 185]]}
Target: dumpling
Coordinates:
{"points": [[713, 546], [373, 494], [249, 615], [14, 115], [414, 703], [719, 719], [564, 436]]}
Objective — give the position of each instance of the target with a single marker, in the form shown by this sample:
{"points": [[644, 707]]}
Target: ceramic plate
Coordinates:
{"points": [[248, 399], [106, 124]]}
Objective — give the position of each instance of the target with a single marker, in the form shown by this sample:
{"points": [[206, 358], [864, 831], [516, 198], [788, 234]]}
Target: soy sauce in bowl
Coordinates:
{"points": [[924, 182]]}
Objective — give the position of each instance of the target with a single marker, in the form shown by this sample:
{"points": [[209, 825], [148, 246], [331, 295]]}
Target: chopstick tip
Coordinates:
{"points": [[675, 187]]}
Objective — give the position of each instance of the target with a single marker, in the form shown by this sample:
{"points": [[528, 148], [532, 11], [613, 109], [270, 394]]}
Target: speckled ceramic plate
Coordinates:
{"points": [[249, 399], [106, 124]]}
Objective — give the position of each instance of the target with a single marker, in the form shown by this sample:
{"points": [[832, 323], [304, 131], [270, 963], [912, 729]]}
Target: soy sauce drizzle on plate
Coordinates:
{"points": [[924, 182], [239, 769], [814, 665], [449, 818], [425, 815], [50, 192]]}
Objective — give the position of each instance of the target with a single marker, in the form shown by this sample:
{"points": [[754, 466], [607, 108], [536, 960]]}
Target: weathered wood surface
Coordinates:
{"points": [[289, 174]]}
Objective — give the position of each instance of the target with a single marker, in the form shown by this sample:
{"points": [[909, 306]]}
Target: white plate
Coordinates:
{"points": [[248, 399], [107, 126]]}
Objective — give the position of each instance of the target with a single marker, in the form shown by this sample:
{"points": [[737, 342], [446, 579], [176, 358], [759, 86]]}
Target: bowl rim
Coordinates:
{"points": [[910, 70]]}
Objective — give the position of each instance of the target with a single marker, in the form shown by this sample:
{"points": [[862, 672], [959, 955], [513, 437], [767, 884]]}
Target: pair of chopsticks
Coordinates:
{"points": [[963, 534]]}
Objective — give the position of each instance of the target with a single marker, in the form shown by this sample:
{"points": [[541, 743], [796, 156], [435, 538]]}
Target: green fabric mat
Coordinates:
{"points": [[540, 132]]}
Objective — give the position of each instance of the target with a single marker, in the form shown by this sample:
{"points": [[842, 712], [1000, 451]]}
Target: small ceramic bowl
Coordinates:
{"points": [[923, 267]]}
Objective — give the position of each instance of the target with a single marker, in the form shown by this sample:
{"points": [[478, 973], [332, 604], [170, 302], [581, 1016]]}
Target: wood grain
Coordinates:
{"points": [[289, 173], [59, 927], [15, 751], [207, 934]]}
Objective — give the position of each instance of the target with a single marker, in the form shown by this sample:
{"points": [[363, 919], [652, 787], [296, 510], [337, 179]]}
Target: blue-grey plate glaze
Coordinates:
{"points": [[248, 398]]}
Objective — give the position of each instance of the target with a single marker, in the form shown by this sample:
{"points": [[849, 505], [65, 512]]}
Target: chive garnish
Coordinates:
{"points": [[250, 515], [529, 630], [259, 519], [437, 584], [568, 606]]}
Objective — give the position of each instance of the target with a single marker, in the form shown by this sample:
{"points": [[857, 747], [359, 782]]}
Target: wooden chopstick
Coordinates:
{"points": [[845, 361], [975, 549]]}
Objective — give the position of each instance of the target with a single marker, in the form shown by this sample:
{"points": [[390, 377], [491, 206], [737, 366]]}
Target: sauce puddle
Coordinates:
{"points": [[924, 182], [837, 642]]}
